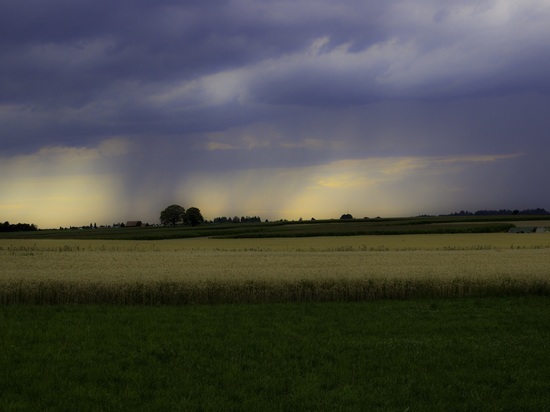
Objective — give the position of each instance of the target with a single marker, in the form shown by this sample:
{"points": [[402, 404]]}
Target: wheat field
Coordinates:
{"points": [[270, 270]]}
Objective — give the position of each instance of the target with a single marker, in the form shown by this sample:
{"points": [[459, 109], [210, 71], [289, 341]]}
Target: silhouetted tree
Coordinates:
{"points": [[171, 215], [19, 227], [502, 212], [193, 216]]}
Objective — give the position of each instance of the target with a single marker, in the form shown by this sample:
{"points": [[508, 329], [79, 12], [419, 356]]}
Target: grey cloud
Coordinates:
{"points": [[82, 47], [79, 71], [173, 41]]}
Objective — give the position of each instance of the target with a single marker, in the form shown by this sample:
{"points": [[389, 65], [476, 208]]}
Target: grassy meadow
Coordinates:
{"points": [[489, 354]]}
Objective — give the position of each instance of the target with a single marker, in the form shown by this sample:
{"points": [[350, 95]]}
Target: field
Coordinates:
{"points": [[441, 321], [488, 354], [203, 270], [306, 228]]}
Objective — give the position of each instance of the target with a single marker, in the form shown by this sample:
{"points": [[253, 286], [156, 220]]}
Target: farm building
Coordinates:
{"points": [[133, 223]]}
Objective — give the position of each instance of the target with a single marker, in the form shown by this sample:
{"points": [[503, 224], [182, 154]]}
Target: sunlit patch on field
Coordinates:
{"points": [[270, 270]]}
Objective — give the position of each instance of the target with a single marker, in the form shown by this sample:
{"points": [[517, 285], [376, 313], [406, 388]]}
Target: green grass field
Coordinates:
{"points": [[487, 354]]}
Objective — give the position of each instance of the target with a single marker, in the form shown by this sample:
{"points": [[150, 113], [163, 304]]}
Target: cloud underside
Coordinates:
{"points": [[189, 68], [69, 183], [113, 110], [394, 186]]}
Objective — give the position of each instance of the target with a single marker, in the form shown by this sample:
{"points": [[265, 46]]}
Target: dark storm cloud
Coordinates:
{"points": [[107, 60], [216, 86], [82, 46]]}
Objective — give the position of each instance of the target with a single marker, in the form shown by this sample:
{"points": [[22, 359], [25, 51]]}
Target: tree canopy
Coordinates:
{"points": [[175, 214], [172, 215], [193, 216], [19, 227]]}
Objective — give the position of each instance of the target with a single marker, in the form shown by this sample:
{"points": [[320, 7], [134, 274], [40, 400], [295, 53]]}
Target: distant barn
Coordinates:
{"points": [[133, 223]]}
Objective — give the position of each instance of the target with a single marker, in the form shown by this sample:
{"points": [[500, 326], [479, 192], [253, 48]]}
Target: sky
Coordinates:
{"points": [[113, 110]]}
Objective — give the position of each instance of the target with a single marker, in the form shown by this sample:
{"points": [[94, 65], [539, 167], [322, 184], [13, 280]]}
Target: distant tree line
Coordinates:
{"points": [[537, 211], [19, 227], [236, 219]]}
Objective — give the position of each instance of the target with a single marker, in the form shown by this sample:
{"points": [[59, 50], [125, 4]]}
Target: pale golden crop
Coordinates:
{"points": [[326, 268], [194, 266], [474, 241]]}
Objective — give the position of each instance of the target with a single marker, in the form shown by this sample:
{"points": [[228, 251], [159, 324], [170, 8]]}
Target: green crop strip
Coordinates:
{"points": [[467, 354]]}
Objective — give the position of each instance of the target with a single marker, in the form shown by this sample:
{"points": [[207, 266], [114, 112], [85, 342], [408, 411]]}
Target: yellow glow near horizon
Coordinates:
{"points": [[375, 186], [59, 201], [63, 186], [60, 186]]}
